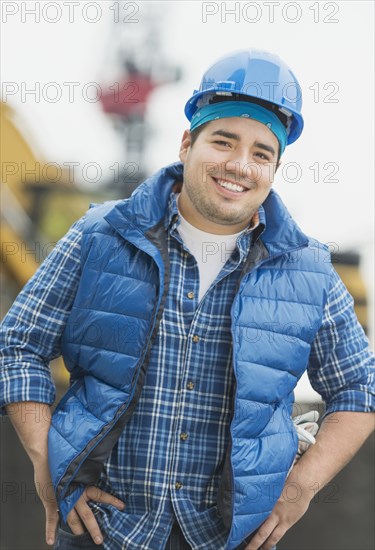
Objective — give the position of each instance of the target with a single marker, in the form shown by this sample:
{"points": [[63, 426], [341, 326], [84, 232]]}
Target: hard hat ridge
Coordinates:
{"points": [[255, 76]]}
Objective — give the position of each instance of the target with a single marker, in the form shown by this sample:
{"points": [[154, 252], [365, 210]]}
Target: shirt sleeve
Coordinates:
{"points": [[30, 333], [341, 365]]}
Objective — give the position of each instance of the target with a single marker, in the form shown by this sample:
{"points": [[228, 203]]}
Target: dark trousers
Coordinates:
{"points": [[67, 541]]}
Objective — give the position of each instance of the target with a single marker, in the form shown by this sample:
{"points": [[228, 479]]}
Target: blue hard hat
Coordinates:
{"points": [[253, 75]]}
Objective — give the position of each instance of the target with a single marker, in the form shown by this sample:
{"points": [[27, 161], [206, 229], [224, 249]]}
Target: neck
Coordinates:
{"points": [[203, 224]]}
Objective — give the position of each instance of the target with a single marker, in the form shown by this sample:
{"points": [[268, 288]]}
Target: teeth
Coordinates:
{"points": [[231, 186]]}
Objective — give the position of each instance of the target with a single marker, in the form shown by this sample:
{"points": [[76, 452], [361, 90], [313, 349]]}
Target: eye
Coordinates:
{"points": [[222, 143], [262, 156]]}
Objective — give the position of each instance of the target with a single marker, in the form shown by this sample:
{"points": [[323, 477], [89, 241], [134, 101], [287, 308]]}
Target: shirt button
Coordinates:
{"points": [[190, 385], [195, 338], [190, 295], [183, 436], [178, 485]]}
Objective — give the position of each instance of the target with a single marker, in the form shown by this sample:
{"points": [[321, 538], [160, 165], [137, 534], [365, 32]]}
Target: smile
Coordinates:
{"points": [[230, 186]]}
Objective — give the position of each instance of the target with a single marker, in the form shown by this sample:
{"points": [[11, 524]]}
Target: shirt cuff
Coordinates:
{"points": [[354, 400], [27, 384]]}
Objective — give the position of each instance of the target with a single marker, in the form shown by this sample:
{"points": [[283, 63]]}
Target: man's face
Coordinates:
{"points": [[228, 173]]}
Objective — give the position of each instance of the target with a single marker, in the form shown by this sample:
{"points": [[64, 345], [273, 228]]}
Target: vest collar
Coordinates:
{"points": [[281, 233], [147, 205]]}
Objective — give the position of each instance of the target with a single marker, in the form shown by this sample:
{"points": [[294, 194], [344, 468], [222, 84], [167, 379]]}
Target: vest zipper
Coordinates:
{"points": [[244, 273]]}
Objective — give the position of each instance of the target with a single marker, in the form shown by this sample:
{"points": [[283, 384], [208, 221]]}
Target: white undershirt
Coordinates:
{"points": [[210, 251]]}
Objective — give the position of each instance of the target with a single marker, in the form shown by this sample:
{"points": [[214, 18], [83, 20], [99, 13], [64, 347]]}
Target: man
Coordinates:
{"points": [[186, 315]]}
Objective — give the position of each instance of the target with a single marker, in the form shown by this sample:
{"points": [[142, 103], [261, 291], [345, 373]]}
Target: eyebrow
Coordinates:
{"points": [[236, 137], [228, 135], [268, 148]]}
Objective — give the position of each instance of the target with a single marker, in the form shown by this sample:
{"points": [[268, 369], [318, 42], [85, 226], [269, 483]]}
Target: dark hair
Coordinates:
{"points": [[195, 133]]}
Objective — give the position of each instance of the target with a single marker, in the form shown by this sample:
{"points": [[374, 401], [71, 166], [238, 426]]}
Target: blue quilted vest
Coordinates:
{"points": [[276, 314]]}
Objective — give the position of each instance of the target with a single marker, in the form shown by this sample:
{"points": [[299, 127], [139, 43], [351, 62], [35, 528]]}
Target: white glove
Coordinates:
{"points": [[306, 427]]}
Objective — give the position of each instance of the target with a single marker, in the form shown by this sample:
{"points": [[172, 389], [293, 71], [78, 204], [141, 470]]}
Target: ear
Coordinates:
{"points": [[185, 146]]}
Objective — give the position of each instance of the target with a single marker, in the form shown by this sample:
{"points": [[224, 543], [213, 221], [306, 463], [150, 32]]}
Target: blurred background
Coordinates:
{"points": [[92, 99]]}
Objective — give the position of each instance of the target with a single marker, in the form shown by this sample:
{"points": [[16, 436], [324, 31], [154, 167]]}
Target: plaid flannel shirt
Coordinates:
{"points": [[167, 462]]}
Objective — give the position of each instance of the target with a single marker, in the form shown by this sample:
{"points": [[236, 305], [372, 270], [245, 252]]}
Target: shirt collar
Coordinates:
{"points": [[172, 217]]}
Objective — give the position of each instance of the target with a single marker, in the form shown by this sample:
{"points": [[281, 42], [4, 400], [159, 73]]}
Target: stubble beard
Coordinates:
{"points": [[210, 211]]}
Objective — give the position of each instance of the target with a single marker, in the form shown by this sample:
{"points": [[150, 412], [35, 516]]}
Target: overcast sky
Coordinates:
{"points": [[329, 46]]}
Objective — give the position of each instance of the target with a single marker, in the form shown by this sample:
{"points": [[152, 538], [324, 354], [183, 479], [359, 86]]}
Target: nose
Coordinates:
{"points": [[242, 168]]}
